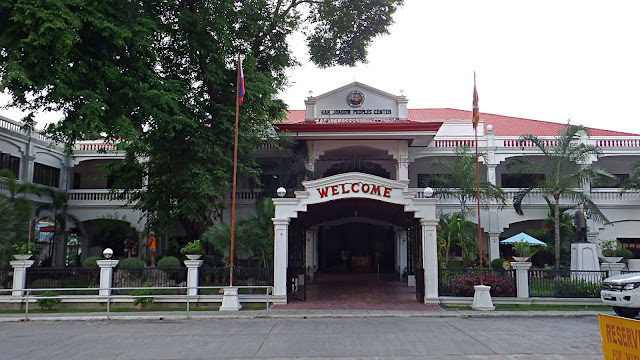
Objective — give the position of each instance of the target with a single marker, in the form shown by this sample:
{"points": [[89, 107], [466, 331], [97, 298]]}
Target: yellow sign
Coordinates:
{"points": [[620, 338]]}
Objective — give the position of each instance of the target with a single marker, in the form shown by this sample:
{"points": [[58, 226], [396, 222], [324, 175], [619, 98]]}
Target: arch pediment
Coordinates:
{"points": [[354, 185]]}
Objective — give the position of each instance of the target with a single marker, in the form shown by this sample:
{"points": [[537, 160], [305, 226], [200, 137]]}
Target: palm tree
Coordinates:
{"points": [[7, 227], [253, 236], [61, 216], [458, 180], [546, 231], [21, 207], [634, 180], [565, 167], [10, 181], [455, 229]]}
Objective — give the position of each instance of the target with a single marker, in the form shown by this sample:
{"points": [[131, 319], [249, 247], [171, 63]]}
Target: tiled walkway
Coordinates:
{"points": [[358, 291]]}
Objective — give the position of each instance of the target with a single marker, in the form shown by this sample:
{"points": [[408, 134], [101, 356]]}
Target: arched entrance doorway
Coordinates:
{"points": [[372, 219]]}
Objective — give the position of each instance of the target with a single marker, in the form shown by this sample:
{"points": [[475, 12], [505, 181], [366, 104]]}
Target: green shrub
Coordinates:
{"points": [[577, 288], [169, 262], [463, 285], [91, 261], [497, 263], [143, 300], [48, 304], [131, 263]]}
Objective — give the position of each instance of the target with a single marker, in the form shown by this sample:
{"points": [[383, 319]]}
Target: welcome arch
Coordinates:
{"points": [[354, 185]]}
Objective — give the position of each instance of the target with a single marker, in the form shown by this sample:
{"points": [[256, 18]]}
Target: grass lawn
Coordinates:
{"points": [[535, 307], [35, 310]]}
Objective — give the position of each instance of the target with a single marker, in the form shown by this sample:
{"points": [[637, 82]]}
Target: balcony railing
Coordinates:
{"points": [[95, 195]]}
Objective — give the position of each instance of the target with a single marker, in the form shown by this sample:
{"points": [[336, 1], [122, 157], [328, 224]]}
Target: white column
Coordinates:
{"points": [[193, 268], [396, 262], [280, 251], [20, 275], [491, 173], [522, 278], [309, 251], [403, 169], [106, 275], [494, 245], [402, 239], [430, 260]]}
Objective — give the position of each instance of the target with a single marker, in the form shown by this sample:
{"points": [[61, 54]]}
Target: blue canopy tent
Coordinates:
{"points": [[522, 237]]}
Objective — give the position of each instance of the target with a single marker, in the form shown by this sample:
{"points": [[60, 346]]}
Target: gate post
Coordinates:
{"points": [[280, 256], [522, 278], [193, 268], [106, 276], [20, 275], [430, 260]]}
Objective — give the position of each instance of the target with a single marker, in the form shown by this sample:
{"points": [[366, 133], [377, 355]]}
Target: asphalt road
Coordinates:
{"points": [[328, 338]]}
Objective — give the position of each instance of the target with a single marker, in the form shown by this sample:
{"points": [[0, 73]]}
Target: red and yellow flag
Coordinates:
{"points": [[240, 80], [475, 117]]}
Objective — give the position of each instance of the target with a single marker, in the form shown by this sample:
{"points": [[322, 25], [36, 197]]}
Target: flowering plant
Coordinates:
{"points": [[523, 248]]}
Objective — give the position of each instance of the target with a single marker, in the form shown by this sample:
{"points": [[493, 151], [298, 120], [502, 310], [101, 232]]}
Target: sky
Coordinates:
{"points": [[557, 61]]}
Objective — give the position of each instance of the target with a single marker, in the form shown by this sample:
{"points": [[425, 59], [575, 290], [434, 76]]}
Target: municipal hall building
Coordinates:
{"points": [[354, 180]]}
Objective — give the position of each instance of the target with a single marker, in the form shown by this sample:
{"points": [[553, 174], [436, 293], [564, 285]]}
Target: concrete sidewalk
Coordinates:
{"points": [[294, 314]]}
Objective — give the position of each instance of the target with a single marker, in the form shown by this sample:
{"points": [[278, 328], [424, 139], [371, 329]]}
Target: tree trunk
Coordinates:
{"points": [[556, 230]]}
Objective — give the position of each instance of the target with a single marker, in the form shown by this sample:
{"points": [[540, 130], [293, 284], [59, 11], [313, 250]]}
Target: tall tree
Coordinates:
{"points": [[160, 77], [565, 166], [456, 179]]}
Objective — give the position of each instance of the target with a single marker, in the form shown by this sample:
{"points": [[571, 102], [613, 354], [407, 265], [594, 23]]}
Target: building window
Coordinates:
{"points": [[520, 180], [11, 163], [606, 182], [632, 244], [429, 180], [46, 175]]}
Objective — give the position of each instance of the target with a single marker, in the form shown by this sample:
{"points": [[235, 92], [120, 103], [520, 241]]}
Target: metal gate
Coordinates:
{"points": [[414, 258], [296, 267]]}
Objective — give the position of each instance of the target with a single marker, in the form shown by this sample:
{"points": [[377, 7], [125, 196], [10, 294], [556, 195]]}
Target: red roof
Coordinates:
{"points": [[502, 125]]}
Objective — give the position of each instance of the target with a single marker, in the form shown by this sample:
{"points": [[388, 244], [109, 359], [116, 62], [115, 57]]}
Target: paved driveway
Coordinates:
{"points": [[358, 291], [520, 338]]}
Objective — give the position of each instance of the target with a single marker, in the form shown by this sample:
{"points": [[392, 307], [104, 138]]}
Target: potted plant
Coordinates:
{"points": [[193, 250], [613, 252], [524, 251], [23, 250]]}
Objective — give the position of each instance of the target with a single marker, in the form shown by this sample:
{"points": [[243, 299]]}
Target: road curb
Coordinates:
{"points": [[301, 315]]}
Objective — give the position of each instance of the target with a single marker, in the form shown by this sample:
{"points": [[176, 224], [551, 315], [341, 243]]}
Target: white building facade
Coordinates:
{"points": [[355, 182]]}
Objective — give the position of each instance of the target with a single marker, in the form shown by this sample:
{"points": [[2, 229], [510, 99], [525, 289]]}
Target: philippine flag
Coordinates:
{"points": [[240, 81]]}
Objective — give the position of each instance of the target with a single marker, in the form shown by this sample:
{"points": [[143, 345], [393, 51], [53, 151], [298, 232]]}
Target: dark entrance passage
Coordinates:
{"points": [[368, 247], [356, 262], [358, 291]]}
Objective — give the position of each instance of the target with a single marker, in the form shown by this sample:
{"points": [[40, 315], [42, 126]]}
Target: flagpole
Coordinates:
{"points": [[475, 119], [478, 199], [235, 170]]}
